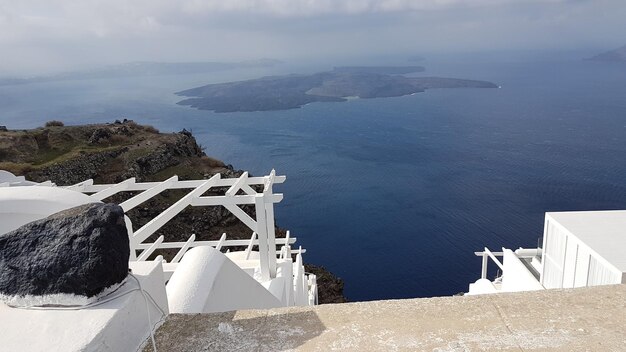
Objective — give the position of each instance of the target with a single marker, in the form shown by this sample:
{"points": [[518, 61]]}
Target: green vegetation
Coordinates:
{"points": [[55, 123], [116, 146]]}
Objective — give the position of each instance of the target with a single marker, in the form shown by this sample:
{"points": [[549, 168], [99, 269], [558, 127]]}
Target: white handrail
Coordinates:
{"points": [[146, 253], [107, 192], [142, 186], [183, 249], [250, 245], [227, 243], [153, 225], [147, 194], [221, 242]]}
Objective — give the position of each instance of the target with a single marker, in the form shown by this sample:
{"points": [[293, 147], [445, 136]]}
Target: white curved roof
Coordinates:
{"points": [[21, 205]]}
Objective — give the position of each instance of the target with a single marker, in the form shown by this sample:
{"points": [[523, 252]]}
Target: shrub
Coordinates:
{"points": [[150, 129], [55, 123]]}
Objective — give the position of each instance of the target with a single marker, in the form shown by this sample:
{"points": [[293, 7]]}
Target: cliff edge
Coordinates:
{"points": [[111, 153]]}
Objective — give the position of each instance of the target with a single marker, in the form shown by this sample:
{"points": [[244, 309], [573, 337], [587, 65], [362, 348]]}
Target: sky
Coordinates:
{"points": [[39, 36]]}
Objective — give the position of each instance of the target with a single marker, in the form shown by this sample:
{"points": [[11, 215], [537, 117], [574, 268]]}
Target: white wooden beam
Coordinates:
{"points": [[153, 225], [81, 185], [250, 245], [480, 254], [493, 257], [241, 215], [287, 245], [227, 243], [105, 193], [223, 182], [249, 191], [237, 185], [264, 253], [146, 253], [221, 242], [267, 187], [271, 233], [184, 249], [234, 200], [147, 194]]}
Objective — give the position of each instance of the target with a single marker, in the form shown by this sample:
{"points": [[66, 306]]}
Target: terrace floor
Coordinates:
{"points": [[585, 319]]}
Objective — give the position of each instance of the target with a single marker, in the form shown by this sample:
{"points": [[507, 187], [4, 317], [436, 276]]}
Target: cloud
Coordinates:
{"points": [[318, 7], [60, 33], [102, 18]]}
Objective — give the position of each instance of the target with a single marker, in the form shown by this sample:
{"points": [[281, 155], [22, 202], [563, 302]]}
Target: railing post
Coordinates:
{"points": [[483, 274], [259, 207], [271, 230]]}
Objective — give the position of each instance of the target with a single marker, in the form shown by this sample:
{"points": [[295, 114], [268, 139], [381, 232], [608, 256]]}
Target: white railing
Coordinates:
{"points": [[486, 254], [240, 192]]}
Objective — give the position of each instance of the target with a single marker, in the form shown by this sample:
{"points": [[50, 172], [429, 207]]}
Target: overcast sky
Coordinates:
{"points": [[40, 35]]}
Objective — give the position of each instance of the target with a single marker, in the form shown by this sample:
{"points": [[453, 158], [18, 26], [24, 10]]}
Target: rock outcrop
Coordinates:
{"points": [[79, 251]]}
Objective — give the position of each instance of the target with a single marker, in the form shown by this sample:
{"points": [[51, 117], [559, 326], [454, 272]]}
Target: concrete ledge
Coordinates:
{"points": [[585, 319]]}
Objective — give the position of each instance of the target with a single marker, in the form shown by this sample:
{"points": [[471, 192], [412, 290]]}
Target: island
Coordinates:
{"points": [[294, 91], [616, 55]]}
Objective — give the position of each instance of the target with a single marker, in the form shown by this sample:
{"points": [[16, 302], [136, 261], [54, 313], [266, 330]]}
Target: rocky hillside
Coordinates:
{"points": [[110, 153]]}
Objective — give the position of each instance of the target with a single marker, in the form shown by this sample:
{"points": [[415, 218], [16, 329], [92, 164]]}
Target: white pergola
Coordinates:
{"points": [[262, 227]]}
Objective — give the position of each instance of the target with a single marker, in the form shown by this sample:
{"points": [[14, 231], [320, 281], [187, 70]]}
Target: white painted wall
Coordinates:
{"points": [[118, 325], [568, 262], [516, 276], [481, 287], [21, 205], [206, 281]]}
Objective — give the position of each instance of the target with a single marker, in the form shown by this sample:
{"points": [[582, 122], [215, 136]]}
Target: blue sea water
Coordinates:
{"points": [[394, 195]]}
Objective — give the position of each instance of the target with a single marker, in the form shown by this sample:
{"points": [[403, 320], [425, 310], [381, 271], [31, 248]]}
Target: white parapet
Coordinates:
{"points": [[518, 277], [119, 324], [21, 205], [516, 272], [206, 281]]}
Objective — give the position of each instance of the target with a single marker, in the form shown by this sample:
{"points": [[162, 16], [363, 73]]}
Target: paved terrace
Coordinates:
{"points": [[586, 319]]}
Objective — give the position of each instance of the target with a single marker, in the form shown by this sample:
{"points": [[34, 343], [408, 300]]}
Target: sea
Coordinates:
{"points": [[395, 195]]}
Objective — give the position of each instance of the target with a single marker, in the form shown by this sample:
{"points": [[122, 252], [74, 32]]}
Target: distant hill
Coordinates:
{"points": [[381, 70], [294, 91], [146, 68], [616, 55]]}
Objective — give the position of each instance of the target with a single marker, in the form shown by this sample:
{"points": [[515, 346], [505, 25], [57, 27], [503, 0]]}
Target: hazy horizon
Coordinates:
{"points": [[40, 37]]}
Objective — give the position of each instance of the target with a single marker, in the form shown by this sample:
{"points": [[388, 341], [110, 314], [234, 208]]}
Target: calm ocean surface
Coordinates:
{"points": [[394, 195]]}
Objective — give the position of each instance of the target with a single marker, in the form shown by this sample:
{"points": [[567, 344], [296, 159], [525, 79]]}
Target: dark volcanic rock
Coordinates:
{"points": [[99, 134], [77, 169], [330, 287], [79, 251]]}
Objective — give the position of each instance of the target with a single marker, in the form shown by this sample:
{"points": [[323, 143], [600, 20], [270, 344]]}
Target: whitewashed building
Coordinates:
{"points": [[579, 249]]}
